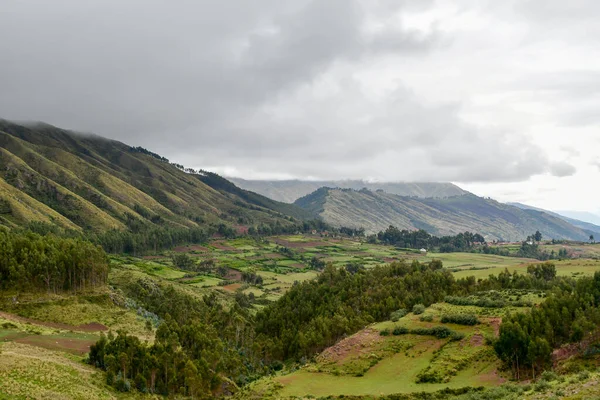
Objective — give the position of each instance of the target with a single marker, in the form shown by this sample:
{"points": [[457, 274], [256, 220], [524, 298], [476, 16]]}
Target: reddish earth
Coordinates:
{"points": [[233, 287], [187, 249], [492, 377], [75, 346], [152, 257], [476, 340], [221, 246], [241, 229], [565, 352], [495, 323], [298, 265], [291, 245], [345, 347], [90, 327], [271, 256], [233, 275], [389, 259]]}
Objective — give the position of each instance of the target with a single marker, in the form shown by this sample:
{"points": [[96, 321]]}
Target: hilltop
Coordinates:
{"points": [[291, 190], [86, 182], [375, 211]]}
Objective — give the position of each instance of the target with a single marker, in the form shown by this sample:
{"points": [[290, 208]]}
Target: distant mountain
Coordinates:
{"points": [[582, 216], [586, 226], [290, 190], [440, 216], [88, 182]]}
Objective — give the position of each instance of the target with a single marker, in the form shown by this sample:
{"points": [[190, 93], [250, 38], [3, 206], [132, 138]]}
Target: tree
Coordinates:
{"points": [[592, 240], [537, 236], [539, 354]]}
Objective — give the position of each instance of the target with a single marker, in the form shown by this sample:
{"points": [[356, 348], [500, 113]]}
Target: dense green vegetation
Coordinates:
{"points": [[30, 262], [417, 239], [571, 314]]}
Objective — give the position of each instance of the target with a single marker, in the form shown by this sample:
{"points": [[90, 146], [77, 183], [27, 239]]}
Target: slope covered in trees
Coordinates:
{"points": [[89, 183], [31, 262], [375, 211]]}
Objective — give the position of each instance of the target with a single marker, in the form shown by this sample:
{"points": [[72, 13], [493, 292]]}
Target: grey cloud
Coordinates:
{"points": [[562, 169], [267, 87]]}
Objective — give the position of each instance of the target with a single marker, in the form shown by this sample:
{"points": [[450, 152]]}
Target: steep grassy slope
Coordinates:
{"points": [[592, 229], [88, 182], [377, 210], [290, 190]]}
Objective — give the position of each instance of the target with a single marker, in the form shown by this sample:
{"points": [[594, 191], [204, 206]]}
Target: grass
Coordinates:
{"points": [[574, 267], [370, 364], [31, 372]]}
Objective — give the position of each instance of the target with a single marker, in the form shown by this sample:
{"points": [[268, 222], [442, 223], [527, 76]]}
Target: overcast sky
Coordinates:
{"points": [[501, 97]]}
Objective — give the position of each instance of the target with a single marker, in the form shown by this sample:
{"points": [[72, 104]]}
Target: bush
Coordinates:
{"points": [[110, 378], [583, 375], [400, 330], [460, 319], [440, 332], [542, 386], [548, 376], [123, 385], [426, 318], [396, 315], [384, 332], [418, 309]]}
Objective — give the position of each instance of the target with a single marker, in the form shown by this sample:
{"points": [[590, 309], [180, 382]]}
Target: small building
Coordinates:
{"points": [[423, 251]]}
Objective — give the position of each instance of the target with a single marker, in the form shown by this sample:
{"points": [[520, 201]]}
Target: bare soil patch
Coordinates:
{"points": [[221, 246], [75, 346], [186, 249], [476, 340], [295, 245], [495, 323], [233, 275], [233, 287], [360, 341]]}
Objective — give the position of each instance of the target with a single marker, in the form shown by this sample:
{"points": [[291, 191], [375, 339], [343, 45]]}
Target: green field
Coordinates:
{"points": [[369, 364]]}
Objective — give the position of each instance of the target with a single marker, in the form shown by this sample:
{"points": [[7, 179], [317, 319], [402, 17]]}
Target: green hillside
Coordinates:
{"points": [[439, 216], [87, 182], [290, 190]]}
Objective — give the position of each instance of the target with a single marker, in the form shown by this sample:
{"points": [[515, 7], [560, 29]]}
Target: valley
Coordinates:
{"points": [[55, 332]]}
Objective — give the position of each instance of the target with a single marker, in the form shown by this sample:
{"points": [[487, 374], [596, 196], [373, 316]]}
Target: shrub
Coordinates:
{"points": [[400, 330], [384, 332], [110, 378], [440, 332], [418, 309], [426, 318], [396, 315], [541, 386], [123, 385], [583, 375], [548, 376], [460, 319]]}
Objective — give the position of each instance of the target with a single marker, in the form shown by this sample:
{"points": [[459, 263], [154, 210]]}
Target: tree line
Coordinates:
{"points": [[417, 239], [32, 262]]}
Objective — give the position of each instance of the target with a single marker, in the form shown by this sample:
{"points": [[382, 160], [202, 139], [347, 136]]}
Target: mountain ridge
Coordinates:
{"points": [[587, 226], [291, 190], [375, 211], [87, 182]]}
